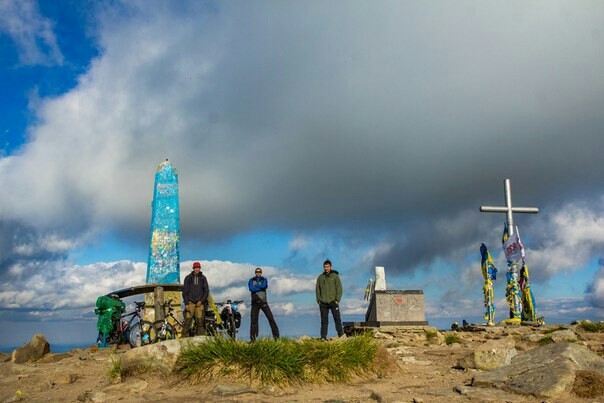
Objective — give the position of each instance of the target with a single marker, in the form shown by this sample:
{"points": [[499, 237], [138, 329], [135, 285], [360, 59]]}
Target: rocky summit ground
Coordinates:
{"points": [[431, 366]]}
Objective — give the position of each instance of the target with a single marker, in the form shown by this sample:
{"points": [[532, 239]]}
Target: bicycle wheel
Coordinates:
{"points": [[163, 331], [232, 330], [211, 328], [115, 337], [142, 333]]}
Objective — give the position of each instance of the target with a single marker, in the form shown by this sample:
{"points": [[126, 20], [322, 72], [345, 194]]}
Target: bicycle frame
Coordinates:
{"points": [[123, 327], [177, 327]]}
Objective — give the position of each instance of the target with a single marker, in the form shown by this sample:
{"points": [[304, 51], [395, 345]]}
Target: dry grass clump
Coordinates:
{"points": [[430, 334], [282, 361], [545, 341], [118, 370], [451, 338], [597, 327]]}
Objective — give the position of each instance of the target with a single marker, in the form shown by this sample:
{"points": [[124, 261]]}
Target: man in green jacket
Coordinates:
{"points": [[329, 295]]}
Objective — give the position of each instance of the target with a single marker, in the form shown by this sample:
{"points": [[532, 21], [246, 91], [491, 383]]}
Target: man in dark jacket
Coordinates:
{"points": [[329, 295], [258, 285], [195, 295]]}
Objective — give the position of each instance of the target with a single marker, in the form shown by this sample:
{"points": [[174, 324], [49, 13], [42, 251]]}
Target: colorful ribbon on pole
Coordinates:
{"points": [[489, 272], [518, 290]]}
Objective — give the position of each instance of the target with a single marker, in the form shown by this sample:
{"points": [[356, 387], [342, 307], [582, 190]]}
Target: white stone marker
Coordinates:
{"points": [[380, 278]]}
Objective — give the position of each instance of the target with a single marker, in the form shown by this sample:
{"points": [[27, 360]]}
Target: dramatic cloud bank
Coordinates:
{"points": [[371, 130], [63, 291], [340, 116]]}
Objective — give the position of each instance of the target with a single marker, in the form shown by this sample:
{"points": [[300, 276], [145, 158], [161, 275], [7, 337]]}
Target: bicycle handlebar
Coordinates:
{"points": [[227, 302], [167, 303]]}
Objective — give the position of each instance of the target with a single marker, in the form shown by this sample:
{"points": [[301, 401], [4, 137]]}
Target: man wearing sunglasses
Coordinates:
{"points": [[258, 285]]}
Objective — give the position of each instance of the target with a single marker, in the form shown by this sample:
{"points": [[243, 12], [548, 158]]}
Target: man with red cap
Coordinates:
{"points": [[195, 292]]}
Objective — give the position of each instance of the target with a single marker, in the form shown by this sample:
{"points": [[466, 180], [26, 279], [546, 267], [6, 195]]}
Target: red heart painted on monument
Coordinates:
{"points": [[398, 300]]}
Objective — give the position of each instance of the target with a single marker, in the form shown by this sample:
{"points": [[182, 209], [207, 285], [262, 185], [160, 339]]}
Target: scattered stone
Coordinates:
{"points": [[561, 336], [398, 351], [486, 395], [447, 351], [532, 337], [270, 390], [161, 356], [4, 357], [232, 389], [97, 397], [524, 346], [50, 358], [413, 360], [440, 337], [34, 350], [546, 371], [380, 335], [66, 379], [377, 397], [418, 400], [490, 355], [18, 396], [127, 387]]}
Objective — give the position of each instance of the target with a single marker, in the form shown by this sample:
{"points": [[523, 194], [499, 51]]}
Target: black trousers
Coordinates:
{"points": [[256, 307], [335, 312]]}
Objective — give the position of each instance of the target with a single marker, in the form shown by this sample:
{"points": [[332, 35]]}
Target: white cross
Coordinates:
{"points": [[508, 209]]}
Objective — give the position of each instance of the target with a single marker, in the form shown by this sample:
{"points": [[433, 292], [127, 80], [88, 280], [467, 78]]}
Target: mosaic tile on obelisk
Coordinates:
{"points": [[163, 266]]}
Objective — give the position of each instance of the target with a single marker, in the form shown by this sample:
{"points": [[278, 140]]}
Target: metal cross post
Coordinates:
{"points": [[508, 209], [513, 287]]}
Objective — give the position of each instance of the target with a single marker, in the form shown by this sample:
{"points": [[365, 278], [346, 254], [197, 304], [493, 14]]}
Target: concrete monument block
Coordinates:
{"points": [[396, 307]]}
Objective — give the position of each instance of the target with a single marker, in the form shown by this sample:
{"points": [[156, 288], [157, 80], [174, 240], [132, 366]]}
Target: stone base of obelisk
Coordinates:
{"points": [[175, 296]]}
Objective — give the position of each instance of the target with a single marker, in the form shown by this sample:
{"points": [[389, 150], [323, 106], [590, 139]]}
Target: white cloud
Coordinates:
{"points": [[297, 243], [292, 284], [58, 290], [293, 309], [70, 291], [32, 33], [594, 294], [234, 278], [353, 306], [288, 308], [568, 239]]}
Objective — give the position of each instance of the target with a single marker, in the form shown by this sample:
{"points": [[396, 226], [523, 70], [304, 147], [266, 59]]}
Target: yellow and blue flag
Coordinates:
{"points": [[488, 266]]}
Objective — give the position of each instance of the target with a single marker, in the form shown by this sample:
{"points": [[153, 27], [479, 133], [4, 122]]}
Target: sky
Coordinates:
{"points": [[367, 133]]}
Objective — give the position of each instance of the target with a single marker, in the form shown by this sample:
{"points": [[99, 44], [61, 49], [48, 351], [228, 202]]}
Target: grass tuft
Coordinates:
{"points": [[119, 369], [281, 361], [430, 334], [451, 338], [591, 326], [115, 369], [545, 340]]}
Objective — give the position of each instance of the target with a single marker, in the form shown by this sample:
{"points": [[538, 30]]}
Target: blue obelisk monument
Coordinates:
{"points": [[163, 266]]}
